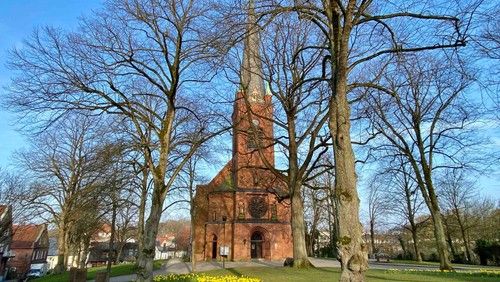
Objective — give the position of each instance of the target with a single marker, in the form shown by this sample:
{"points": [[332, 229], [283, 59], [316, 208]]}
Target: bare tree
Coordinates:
{"points": [[67, 166], [404, 200], [314, 215], [426, 122], [13, 189], [135, 59], [457, 197], [357, 33], [126, 218], [377, 208], [300, 118]]}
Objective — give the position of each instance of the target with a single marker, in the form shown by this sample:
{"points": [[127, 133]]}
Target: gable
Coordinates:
{"points": [[223, 181]]}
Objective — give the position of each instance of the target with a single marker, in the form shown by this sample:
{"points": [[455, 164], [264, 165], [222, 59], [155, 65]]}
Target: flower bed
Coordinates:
{"points": [[203, 278]]}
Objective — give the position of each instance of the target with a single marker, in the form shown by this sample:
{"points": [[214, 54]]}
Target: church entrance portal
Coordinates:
{"points": [[214, 247], [256, 245]]}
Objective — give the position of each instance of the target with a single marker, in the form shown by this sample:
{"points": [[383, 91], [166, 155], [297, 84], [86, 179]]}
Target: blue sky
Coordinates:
{"points": [[19, 17]]}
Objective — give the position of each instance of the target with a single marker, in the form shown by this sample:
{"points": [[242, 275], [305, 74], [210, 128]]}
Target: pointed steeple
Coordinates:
{"points": [[251, 68]]}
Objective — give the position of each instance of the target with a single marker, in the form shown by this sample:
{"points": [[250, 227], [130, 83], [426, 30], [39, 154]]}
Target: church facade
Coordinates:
{"points": [[238, 213]]}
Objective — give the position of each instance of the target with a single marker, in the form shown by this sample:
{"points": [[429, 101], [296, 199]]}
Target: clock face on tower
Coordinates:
{"points": [[255, 96], [257, 206]]}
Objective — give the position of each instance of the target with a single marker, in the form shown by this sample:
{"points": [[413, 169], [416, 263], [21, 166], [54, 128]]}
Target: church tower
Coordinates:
{"points": [[253, 143], [236, 215]]}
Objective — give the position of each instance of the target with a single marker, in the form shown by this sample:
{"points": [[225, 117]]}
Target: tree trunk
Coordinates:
{"points": [[76, 255], [402, 244], [142, 209], [372, 237], [351, 248], [430, 197], [61, 250], [300, 259], [332, 222], [66, 248], [464, 236], [449, 239], [145, 264], [193, 245], [111, 252], [118, 257], [414, 236], [85, 252], [444, 261]]}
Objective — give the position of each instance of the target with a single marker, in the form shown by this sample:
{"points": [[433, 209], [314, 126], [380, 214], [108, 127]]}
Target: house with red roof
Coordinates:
{"points": [[30, 244]]}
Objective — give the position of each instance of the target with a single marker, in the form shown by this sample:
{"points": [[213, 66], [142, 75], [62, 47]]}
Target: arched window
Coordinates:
{"points": [[255, 137]]}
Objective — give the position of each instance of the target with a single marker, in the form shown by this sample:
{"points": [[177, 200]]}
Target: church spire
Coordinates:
{"points": [[251, 67]]}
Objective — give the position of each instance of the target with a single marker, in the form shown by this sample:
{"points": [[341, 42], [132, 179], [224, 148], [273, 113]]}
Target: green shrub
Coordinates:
{"points": [[487, 251]]}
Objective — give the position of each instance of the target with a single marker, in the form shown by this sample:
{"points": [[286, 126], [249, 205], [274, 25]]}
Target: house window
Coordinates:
{"points": [[214, 216]]}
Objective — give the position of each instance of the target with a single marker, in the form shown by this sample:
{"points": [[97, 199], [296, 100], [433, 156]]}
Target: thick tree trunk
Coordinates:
{"points": [[351, 248], [300, 259], [145, 264]]}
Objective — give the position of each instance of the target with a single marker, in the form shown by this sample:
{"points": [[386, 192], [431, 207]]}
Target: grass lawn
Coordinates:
{"points": [[116, 270], [268, 274], [437, 264]]}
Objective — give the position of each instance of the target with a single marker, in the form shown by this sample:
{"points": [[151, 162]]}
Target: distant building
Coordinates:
{"points": [[99, 252], [30, 244], [103, 234], [386, 244], [166, 248], [52, 254]]}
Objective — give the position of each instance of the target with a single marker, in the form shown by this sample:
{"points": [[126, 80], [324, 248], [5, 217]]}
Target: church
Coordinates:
{"points": [[237, 214]]}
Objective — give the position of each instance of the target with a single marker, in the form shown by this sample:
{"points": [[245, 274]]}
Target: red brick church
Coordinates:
{"points": [[237, 209]]}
